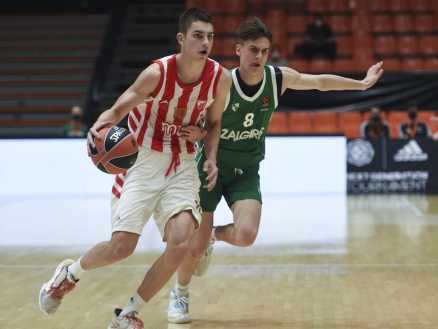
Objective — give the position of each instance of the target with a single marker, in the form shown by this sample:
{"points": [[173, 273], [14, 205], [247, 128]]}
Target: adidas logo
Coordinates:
{"points": [[410, 152]]}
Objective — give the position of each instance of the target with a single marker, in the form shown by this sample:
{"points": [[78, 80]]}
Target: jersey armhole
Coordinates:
{"points": [[279, 78]]}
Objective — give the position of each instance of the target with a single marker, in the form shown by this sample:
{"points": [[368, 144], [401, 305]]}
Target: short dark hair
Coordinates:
{"points": [[192, 15], [252, 30]]}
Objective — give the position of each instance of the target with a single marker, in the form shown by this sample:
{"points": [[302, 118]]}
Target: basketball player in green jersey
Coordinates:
{"points": [[249, 106]]}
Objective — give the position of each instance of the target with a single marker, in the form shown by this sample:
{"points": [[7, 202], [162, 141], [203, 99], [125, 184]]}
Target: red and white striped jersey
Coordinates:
{"points": [[156, 122]]}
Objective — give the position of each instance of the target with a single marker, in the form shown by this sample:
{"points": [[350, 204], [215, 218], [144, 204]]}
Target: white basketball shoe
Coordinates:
{"points": [[53, 291], [178, 310], [127, 321]]}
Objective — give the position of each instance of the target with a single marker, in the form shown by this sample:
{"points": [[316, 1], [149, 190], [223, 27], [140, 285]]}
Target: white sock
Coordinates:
{"points": [[135, 304], [213, 235], [180, 290], [76, 269]]}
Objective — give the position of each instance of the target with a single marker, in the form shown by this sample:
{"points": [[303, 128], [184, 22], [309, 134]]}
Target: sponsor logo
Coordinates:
{"points": [[235, 107], [200, 104], [410, 152], [359, 152], [116, 135], [238, 135], [392, 181], [164, 102], [265, 103], [170, 129], [179, 113]]}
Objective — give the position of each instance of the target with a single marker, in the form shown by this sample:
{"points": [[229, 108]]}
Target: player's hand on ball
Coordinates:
{"points": [[211, 169], [192, 133], [93, 133]]}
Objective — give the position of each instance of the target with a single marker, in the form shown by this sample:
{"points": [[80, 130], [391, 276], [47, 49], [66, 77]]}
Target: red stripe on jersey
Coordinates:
{"points": [[119, 180], [132, 123], [203, 95], [137, 114], [134, 113], [145, 123], [183, 100], [216, 81], [116, 192], [163, 107]]}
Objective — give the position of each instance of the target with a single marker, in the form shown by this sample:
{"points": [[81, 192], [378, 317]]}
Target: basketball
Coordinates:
{"points": [[116, 150]]}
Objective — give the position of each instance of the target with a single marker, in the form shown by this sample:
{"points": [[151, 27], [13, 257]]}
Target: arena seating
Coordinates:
{"points": [[45, 66]]}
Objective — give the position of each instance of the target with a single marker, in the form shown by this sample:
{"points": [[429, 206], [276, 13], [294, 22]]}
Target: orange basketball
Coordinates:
{"points": [[116, 150]]}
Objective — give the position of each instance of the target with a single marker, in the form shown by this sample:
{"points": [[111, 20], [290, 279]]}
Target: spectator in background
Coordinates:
{"points": [[414, 128], [275, 58], [319, 39], [375, 127], [434, 119], [76, 127]]}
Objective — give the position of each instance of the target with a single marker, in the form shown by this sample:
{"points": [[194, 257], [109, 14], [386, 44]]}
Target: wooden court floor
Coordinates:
{"points": [[382, 274]]}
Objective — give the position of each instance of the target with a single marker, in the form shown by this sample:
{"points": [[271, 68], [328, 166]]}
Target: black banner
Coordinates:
{"points": [[392, 166], [393, 91]]}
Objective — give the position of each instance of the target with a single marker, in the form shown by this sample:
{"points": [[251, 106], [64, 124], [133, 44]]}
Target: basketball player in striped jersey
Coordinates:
{"points": [[249, 107], [173, 92]]}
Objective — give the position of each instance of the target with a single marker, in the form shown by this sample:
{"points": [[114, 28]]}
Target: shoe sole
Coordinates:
{"points": [[179, 321], [57, 271]]}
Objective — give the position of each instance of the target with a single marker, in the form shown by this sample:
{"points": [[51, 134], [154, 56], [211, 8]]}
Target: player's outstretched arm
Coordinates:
{"points": [[213, 127], [324, 82], [140, 90]]}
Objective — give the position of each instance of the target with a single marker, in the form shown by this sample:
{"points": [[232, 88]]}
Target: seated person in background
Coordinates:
{"points": [[434, 119], [275, 58], [319, 39], [375, 127], [76, 128], [413, 128]]}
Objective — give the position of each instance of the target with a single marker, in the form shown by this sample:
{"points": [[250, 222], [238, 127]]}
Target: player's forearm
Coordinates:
{"points": [[122, 106], [335, 82], [109, 115], [211, 140]]}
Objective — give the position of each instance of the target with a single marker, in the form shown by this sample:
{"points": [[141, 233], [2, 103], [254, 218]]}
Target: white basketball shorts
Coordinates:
{"points": [[144, 190]]}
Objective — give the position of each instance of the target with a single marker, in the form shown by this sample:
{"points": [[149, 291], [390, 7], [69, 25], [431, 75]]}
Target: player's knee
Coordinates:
{"points": [[246, 237], [178, 247]]}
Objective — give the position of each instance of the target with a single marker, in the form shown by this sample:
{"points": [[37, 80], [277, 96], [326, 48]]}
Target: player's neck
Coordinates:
{"points": [[189, 70], [250, 79]]}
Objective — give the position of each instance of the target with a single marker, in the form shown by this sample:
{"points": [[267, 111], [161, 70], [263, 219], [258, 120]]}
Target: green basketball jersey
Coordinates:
{"points": [[245, 121]]}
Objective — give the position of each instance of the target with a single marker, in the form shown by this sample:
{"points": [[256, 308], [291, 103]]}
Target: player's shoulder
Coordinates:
{"points": [[153, 71], [290, 76], [225, 77]]}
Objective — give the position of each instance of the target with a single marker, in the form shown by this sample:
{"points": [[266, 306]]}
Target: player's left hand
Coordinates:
{"points": [[192, 133], [373, 74], [211, 169]]}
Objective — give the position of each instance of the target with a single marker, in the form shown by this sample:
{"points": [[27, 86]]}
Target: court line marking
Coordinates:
{"points": [[295, 265], [410, 205]]}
